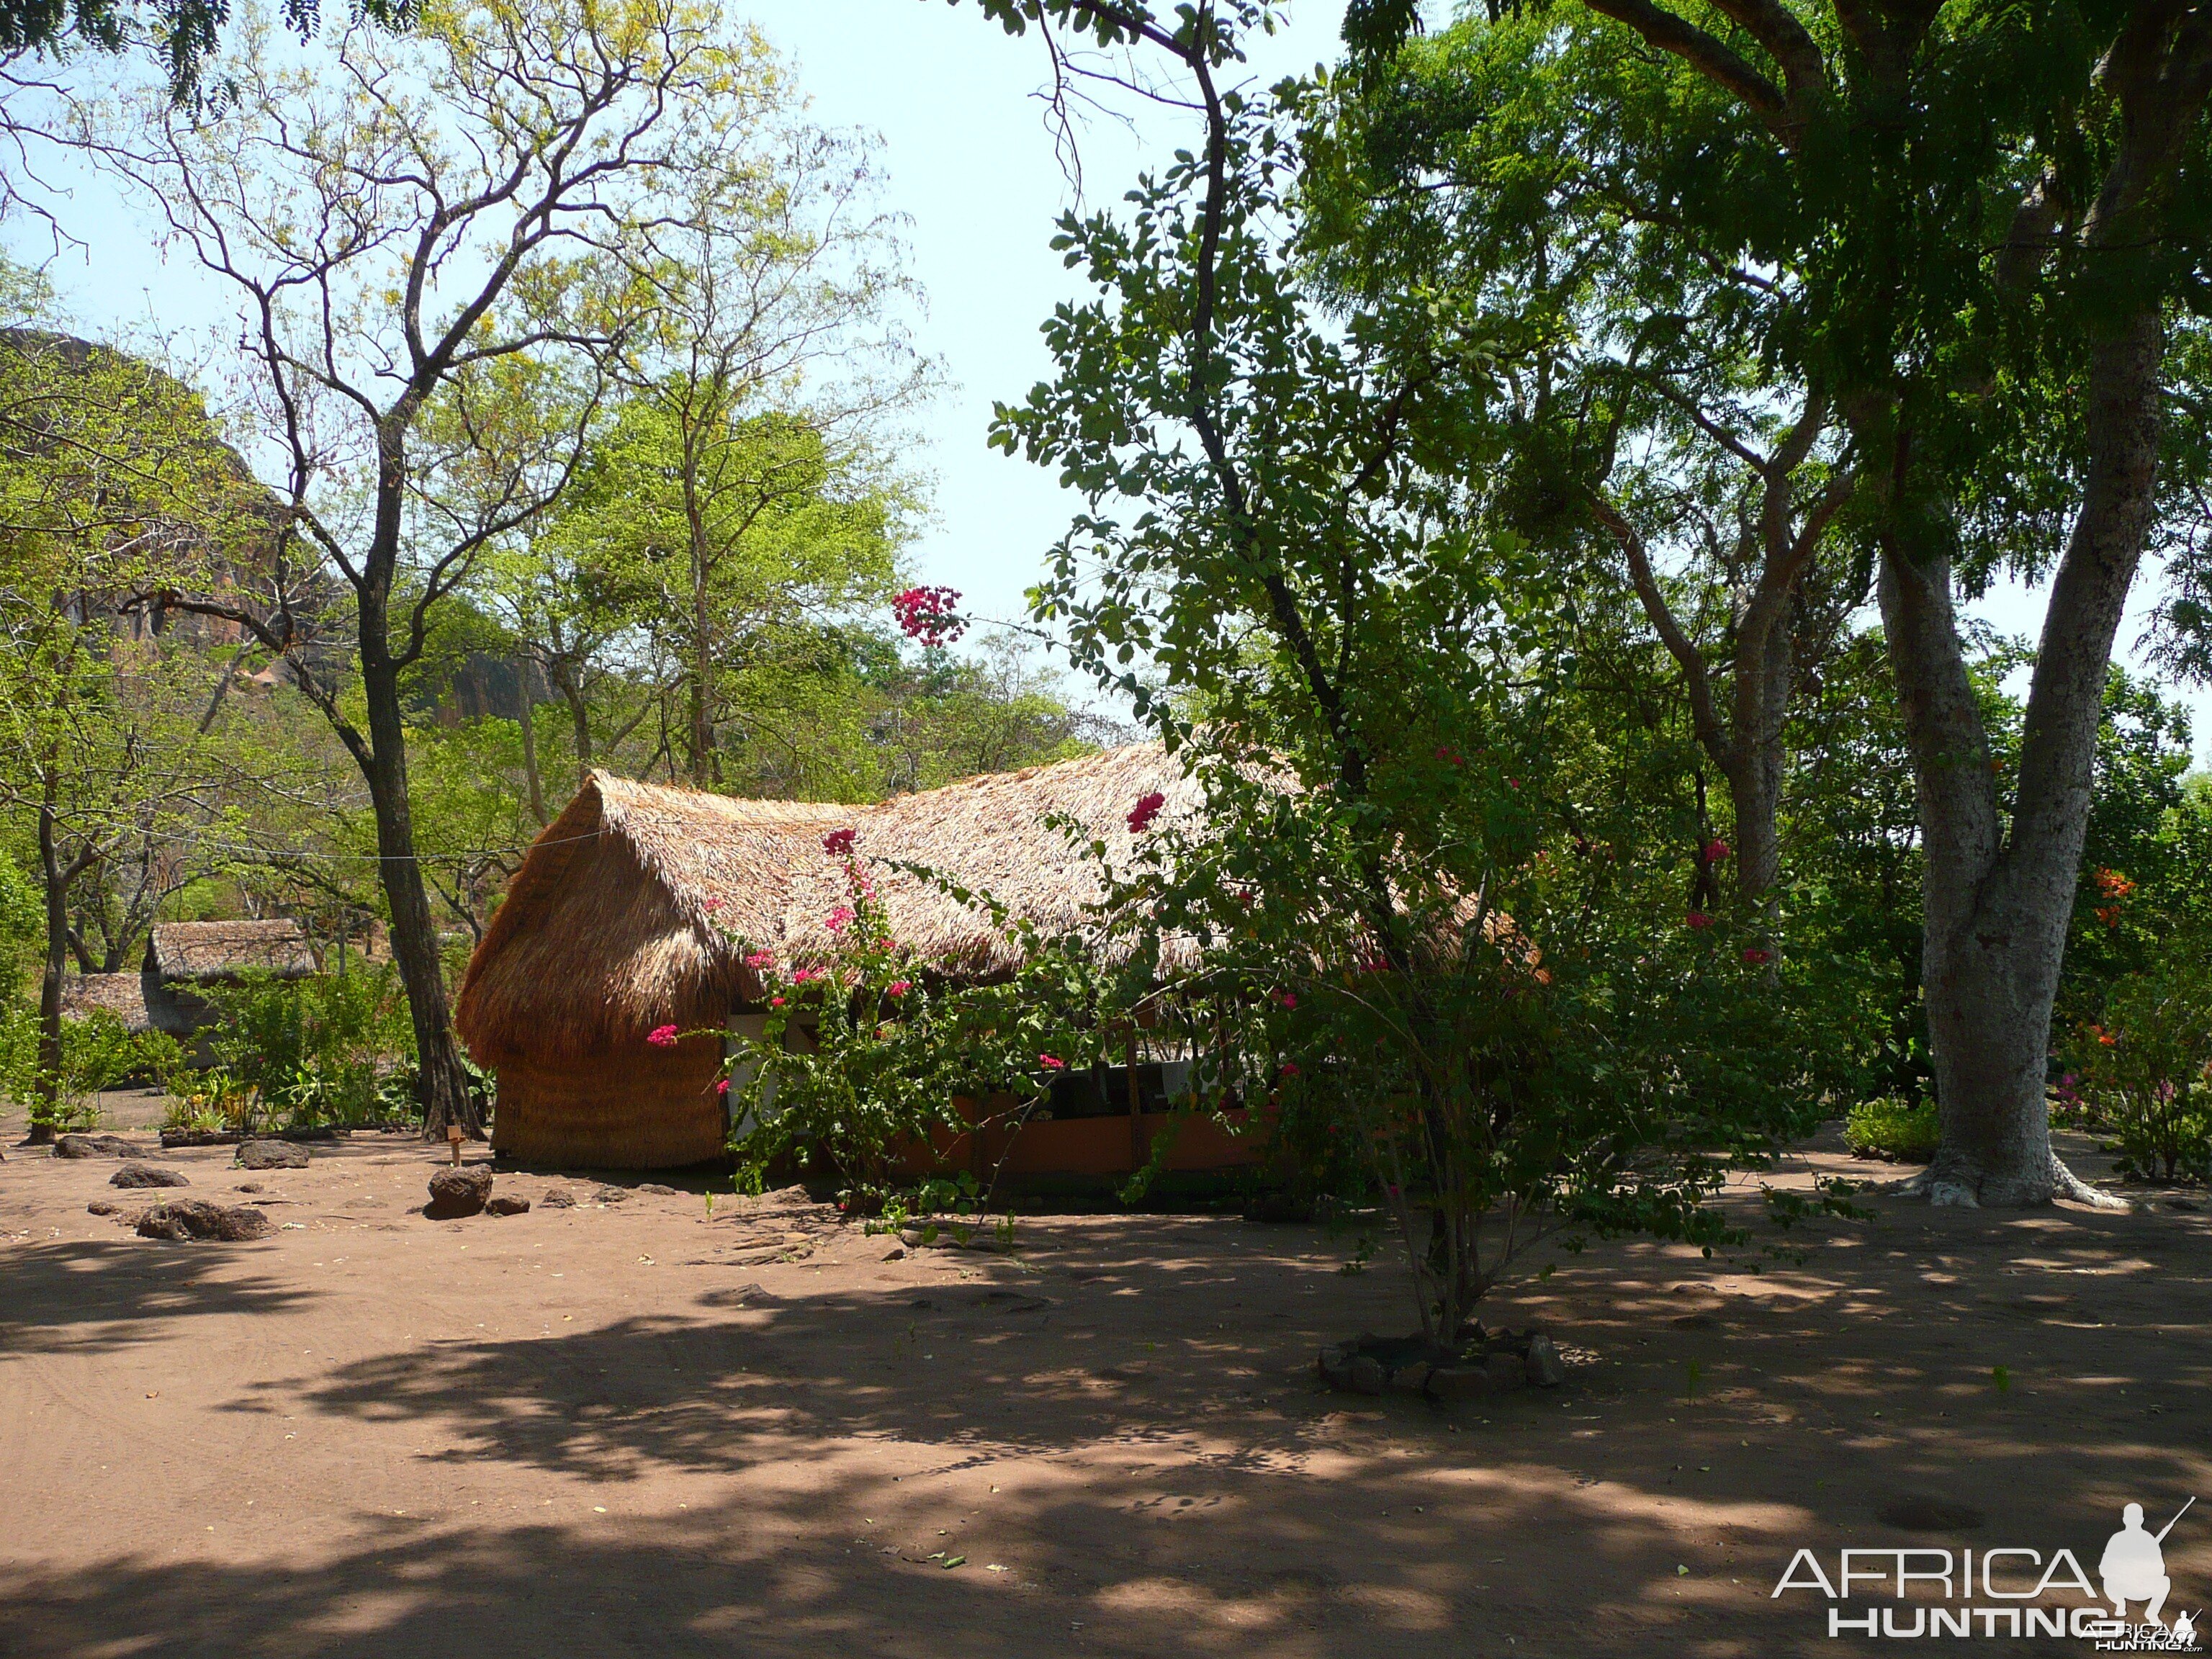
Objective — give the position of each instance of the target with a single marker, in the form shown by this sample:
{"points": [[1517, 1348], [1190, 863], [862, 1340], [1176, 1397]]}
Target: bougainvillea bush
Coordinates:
{"points": [[891, 1047], [2143, 1071]]}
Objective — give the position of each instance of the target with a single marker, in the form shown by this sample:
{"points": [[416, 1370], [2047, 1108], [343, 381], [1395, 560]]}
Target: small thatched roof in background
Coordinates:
{"points": [[122, 995], [224, 950], [637, 906]]}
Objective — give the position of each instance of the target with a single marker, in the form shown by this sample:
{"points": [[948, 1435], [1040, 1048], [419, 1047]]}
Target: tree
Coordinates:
{"points": [[412, 271], [1653, 436], [1366, 674], [108, 473], [1857, 153]]}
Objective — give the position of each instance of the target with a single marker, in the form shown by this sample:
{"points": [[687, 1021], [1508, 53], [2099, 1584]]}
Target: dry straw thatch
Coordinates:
{"points": [[637, 905], [224, 950], [122, 995]]}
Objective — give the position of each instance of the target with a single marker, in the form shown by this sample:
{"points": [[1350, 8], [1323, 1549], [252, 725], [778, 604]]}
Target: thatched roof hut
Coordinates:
{"points": [[203, 951], [637, 905], [122, 995]]}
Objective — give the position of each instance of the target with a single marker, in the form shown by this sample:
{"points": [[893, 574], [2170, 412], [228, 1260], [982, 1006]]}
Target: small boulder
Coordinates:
{"points": [[610, 1195], [101, 1206], [1460, 1381], [1543, 1365], [135, 1174], [1365, 1374], [249, 1186], [658, 1190], [271, 1155], [93, 1146], [1508, 1372], [506, 1204], [897, 1253], [457, 1192], [559, 1198], [193, 1218]]}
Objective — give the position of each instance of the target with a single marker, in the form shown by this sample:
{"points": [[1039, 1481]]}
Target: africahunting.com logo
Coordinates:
{"points": [[2007, 1591]]}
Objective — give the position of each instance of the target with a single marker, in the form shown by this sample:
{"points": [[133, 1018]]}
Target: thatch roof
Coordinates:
{"points": [[122, 995], [637, 905], [224, 950]]}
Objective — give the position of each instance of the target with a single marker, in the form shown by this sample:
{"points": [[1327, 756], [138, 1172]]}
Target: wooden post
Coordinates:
{"points": [[455, 1135]]}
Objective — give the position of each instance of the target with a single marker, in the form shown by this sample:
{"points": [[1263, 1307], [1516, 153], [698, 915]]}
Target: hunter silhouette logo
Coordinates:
{"points": [[2007, 1591], [2133, 1565]]}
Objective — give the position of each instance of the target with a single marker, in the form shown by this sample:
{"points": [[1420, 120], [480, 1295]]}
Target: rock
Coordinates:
{"points": [[101, 1206], [610, 1195], [457, 1192], [193, 1217], [249, 1186], [1365, 1374], [559, 1198], [271, 1155], [1508, 1372], [93, 1146], [1333, 1366], [1543, 1365], [658, 1190], [897, 1253], [1460, 1381], [1412, 1379], [506, 1204], [135, 1174]]}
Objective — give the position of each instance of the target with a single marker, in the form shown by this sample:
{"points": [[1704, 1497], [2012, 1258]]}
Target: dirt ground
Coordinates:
{"points": [[632, 1428]]}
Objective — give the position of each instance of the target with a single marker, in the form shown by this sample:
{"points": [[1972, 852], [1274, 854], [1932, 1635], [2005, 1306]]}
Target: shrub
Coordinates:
{"points": [[890, 1052], [311, 1053], [1892, 1128], [97, 1053], [2145, 1070]]}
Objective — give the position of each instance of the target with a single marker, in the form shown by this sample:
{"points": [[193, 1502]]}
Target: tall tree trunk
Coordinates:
{"points": [[445, 1096], [55, 879], [1998, 904]]}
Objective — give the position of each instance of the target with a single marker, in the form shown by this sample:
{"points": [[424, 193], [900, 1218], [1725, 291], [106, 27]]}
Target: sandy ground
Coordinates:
{"points": [[628, 1428]]}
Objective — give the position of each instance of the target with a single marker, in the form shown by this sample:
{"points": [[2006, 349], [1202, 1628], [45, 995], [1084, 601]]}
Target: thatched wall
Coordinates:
{"points": [[646, 1108]]}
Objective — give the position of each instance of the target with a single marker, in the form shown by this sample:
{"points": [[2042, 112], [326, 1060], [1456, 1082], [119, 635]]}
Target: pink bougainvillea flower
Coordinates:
{"points": [[711, 906], [775, 1002], [723, 1087], [1287, 999], [760, 959], [1757, 957], [806, 976], [1715, 850], [836, 920], [1052, 1063], [1289, 1069], [1698, 919], [928, 615], [838, 842], [662, 1036], [1147, 809], [898, 987], [1449, 756]]}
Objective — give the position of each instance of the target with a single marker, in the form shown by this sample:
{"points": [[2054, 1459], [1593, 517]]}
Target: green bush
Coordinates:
{"points": [[1892, 1128], [2144, 1071], [312, 1053], [97, 1053]]}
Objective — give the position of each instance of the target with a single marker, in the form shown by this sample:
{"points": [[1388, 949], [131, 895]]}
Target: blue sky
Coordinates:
{"points": [[971, 163]]}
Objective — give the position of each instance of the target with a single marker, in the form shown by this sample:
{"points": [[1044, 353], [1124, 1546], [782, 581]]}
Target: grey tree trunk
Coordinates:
{"points": [[1998, 901]]}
